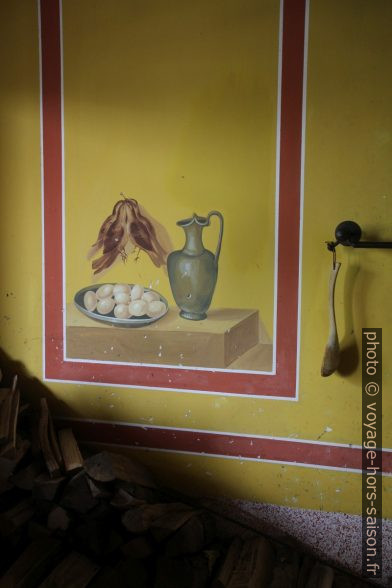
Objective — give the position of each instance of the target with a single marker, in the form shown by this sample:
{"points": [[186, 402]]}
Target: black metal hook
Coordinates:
{"points": [[348, 233], [331, 246]]}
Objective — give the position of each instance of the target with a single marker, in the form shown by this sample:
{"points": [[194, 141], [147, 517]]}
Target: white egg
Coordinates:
{"points": [[122, 298], [126, 288], [121, 311], [156, 308], [138, 307], [90, 300], [105, 305], [150, 296], [137, 292], [105, 291]]}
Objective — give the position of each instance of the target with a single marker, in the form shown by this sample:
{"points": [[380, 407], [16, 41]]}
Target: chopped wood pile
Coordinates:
{"points": [[73, 519]]}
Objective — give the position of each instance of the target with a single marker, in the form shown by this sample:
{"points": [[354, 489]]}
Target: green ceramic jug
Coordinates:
{"points": [[193, 271]]}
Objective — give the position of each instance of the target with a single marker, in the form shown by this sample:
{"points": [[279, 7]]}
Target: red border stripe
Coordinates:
{"points": [[283, 383], [52, 180], [290, 186], [223, 444]]}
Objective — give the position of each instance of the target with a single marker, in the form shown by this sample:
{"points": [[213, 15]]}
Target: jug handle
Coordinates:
{"points": [[220, 216]]}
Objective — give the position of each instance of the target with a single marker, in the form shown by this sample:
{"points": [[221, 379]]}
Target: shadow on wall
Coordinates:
{"points": [[186, 473], [349, 349], [32, 388]]}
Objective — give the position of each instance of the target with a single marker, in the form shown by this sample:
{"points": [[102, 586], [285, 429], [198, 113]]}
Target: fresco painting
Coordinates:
{"points": [[222, 337], [170, 184], [176, 121]]}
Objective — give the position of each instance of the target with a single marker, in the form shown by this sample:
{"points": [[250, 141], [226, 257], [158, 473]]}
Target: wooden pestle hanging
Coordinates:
{"points": [[332, 351]]}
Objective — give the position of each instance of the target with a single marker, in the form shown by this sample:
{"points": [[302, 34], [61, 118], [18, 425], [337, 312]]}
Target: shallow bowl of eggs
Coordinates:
{"points": [[121, 305]]}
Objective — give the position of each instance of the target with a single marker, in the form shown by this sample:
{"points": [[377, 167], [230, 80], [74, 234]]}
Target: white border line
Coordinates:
{"points": [[277, 188], [165, 365], [341, 469], [42, 192], [160, 389], [62, 176], [277, 180]]}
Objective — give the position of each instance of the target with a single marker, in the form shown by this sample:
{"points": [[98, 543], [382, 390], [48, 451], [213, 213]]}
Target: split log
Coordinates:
{"points": [[75, 570], [24, 407], [38, 531], [32, 566], [107, 467], [5, 485], [96, 532], [212, 554], [35, 442], [107, 576], [286, 568], [304, 571], [73, 461], [189, 538], [8, 415], [126, 574], [5, 413], [123, 500], [9, 460], [342, 581], [255, 565], [46, 488], [54, 441], [13, 421], [248, 564], [226, 571], [172, 518], [77, 495], [190, 572], [138, 548], [15, 517], [97, 538], [97, 489], [150, 495], [103, 512], [46, 447], [58, 519], [25, 477], [321, 576], [166, 518], [12, 448]]}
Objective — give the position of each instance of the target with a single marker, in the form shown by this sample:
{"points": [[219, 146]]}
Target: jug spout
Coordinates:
{"points": [[193, 271], [193, 228]]}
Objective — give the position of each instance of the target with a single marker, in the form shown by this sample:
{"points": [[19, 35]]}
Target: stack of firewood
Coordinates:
{"points": [[69, 519]]}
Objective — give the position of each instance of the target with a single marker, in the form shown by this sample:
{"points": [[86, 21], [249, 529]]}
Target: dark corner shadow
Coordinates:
{"points": [[31, 387], [349, 349], [190, 482]]}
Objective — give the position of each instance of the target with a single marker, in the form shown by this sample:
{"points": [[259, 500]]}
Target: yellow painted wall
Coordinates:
{"points": [[347, 175], [177, 110]]}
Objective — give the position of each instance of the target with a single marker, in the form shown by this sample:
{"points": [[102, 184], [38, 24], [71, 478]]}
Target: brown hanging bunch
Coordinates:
{"points": [[129, 227]]}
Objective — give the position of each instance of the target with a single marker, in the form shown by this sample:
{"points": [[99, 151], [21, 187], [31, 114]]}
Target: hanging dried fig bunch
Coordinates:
{"points": [[129, 227]]}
